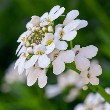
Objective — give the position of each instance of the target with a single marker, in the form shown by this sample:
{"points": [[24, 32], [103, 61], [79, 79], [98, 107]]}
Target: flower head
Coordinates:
{"points": [[43, 43]]}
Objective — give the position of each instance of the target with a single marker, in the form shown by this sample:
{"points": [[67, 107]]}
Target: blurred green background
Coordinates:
{"points": [[14, 14]]}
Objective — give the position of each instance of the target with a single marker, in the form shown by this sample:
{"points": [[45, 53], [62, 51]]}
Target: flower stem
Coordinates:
{"points": [[71, 44], [101, 91], [97, 88]]}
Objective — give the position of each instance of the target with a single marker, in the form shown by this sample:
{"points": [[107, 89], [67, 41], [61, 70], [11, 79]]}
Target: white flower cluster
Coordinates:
{"points": [[94, 102], [45, 44]]}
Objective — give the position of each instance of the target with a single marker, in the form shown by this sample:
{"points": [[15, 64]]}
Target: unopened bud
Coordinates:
{"points": [[27, 43], [37, 28], [85, 88], [29, 50], [50, 29], [33, 29], [44, 29]]}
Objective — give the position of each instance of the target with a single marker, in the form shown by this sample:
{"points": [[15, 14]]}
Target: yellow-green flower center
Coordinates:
{"points": [[39, 53], [48, 20], [49, 41], [61, 33]]}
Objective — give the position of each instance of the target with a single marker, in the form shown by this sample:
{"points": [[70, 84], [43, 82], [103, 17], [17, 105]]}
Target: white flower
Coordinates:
{"points": [[68, 30], [54, 13], [83, 55], [71, 16], [35, 21], [51, 43], [35, 73], [59, 58], [65, 34], [90, 76], [40, 56]]}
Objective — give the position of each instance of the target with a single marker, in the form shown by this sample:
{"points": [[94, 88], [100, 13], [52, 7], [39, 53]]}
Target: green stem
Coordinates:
{"points": [[71, 44], [97, 88], [101, 91]]}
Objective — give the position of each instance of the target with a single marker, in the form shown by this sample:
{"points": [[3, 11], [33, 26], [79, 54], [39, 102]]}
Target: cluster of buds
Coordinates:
{"points": [[45, 44]]}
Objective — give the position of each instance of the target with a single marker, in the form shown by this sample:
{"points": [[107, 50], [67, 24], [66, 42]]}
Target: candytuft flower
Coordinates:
{"points": [[36, 73], [68, 30], [90, 75], [59, 58], [54, 13], [83, 55]]}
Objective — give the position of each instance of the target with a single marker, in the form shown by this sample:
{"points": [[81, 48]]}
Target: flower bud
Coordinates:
{"points": [[35, 20], [29, 50], [27, 43], [85, 88], [37, 28], [44, 29], [50, 29], [33, 29]]}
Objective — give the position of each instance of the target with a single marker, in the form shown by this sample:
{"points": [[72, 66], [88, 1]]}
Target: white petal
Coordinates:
{"points": [[71, 16], [67, 56], [61, 45], [96, 70], [70, 36], [21, 66], [31, 61], [57, 32], [19, 47], [82, 24], [76, 49], [23, 49], [85, 80], [50, 48], [89, 51], [17, 62], [58, 25], [94, 80], [43, 61], [29, 25], [72, 25], [29, 70], [42, 80], [32, 77], [58, 66], [45, 15], [84, 73], [21, 36], [46, 38], [52, 55], [54, 10], [82, 63], [57, 14]]}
